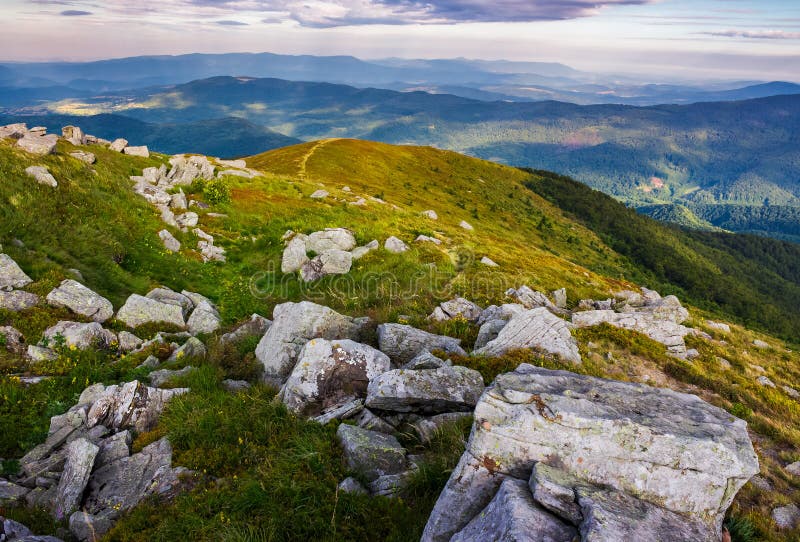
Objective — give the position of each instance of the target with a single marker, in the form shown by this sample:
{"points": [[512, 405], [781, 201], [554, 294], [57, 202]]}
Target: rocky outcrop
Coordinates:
{"points": [[538, 329], [294, 324], [663, 455], [402, 343], [329, 374], [80, 456], [81, 300], [74, 135]]}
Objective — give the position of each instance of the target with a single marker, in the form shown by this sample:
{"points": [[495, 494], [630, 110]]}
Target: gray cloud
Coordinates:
{"points": [[75, 13], [231, 23], [756, 34]]}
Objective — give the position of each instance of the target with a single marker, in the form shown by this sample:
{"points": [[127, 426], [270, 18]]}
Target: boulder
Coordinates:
{"points": [[204, 319], [342, 412], [787, 517], [460, 307], [559, 298], [351, 485], [758, 343], [402, 343], [192, 348], [83, 156], [528, 298], [257, 326], [329, 374], [430, 213], [294, 255], [40, 353], [670, 449], [128, 342], [137, 151], [13, 131], [765, 381], [187, 220], [12, 340], [663, 330], [427, 239], [89, 527], [369, 453], [718, 326], [235, 386], [17, 300], [81, 300], [535, 328], [489, 332], [10, 493], [319, 194], [11, 276], [330, 262], [395, 245], [139, 310], [161, 377], [427, 428], [42, 175], [38, 144], [513, 516], [170, 243], [360, 252], [130, 406], [80, 335], [74, 135], [118, 145], [487, 261], [430, 391], [178, 201], [80, 459], [466, 225], [330, 239], [294, 324], [426, 360], [112, 448]]}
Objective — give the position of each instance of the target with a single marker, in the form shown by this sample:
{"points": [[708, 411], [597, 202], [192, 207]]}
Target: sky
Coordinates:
{"points": [[687, 39]]}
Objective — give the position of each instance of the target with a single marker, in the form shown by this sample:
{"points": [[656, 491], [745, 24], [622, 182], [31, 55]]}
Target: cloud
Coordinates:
{"points": [[329, 13], [231, 23], [756, 34], [75, 13]]}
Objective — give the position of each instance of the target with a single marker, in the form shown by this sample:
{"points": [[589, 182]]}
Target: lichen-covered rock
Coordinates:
{"points": [[80, 335], [663, 447], [446, 389], [257, 326], [330, 239], [351, 485], [192, 348], [11, 276], [402, 343], [130, 406], [38, 144], [329, 374], [395, 245], [427, 428], [787, 517], [294, 255], [294, 324], [330, 262], [204, 319], [141, 151], [40, 353], [663, 330], [488, 332], [18, 300], [86, 157], [426, 360], [10, 493], [170, 297], [161, 377], [513, 516], [139, 310], [80, 459], [536, 328], [369, 453], [128, 342], [12, 340], [89, 527], [170, 243], [42, 175], [81, 300], [459, 307]]}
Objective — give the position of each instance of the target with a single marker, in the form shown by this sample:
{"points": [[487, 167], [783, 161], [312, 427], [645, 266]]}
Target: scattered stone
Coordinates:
{"points": [[536, 328], [137, 151], [40, 353], [793, 468], [489, 332], [621, 435], [257, 326], [83, 156], [663, 330], [193, 348], [764, 381], [11, 494], [178, 201], [488, 262], [430, 213], [514, 516], [403, 343], [187, 220], [426, 360], [79, 335], [369, 453], [760, 344], [319, 194], [724, 363], [353, 486], [458, 308], [204, 319], [787, 517], [294, 255], [427, 428], [235, 386], [170, 243], [80, 459], [559, 298], [81, 300], [18, 300], [329, 374], [139, 310], [791, 392], [430, 391], [343, 412], [12, 340], [395, 245], [330, 262], [11, 276], [161, 377], [118, 145], [42, 175], [718, 326], [426, 239], [466, 225], [151, 362], [529, 298], [294, 324], [89, 527]]}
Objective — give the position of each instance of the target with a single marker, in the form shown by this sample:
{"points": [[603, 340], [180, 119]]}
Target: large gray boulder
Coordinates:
{"points": [[513, 516], [42, 175], [457, 307], [171, 297], [18, 300], [74, 135], [139, 310], [294, 324], [670, 449], [294, 255], [169, 240], [663, 330], [38, 144], [204, 319], [329, 374], [369, 453], [330, 239], [141, 151], [80, 459], [79, 335], [81, 300], [11, 276], [118, 145], [395, 245], [129, 406], [537, 328], [430, 391], [330, 262], [403, 343]]}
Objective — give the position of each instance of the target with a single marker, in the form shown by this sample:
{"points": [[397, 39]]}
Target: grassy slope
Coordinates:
{"points": [[277, 475]]}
